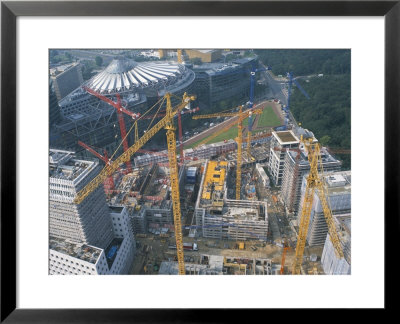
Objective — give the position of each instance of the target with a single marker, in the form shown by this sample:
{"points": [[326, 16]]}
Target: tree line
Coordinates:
{"points": [[306, 61]]}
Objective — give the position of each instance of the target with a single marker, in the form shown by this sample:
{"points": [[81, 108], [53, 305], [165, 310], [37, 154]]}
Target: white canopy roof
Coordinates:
{"points": [[123, 74]]}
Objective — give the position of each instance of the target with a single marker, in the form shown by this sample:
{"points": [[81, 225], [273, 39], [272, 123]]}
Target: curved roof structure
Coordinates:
{"points": [[122, 75]]}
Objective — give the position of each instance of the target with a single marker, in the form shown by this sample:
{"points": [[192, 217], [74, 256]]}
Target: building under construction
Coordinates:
{"points": [[202, 152], [296, 165], [146, 192], [331, 264], [220, 265], [221, 218], [338, 185], [90, 237], [280, 143]]}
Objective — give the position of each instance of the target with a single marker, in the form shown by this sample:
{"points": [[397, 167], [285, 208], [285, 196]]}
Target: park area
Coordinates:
{"points": [[268, 119]]}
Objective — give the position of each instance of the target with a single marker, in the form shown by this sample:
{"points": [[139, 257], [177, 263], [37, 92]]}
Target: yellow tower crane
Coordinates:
{"points": [[109, 169], [179, 53], [314, 181], [241, 116]]}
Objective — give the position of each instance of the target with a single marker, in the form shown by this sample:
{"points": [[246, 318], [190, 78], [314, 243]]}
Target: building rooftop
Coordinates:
{"points": [[326, 157], [286, 137], [214, 179], [64, 166], [80, 251], [124, 74], [338, 182], [116, 209], [54, 72]]}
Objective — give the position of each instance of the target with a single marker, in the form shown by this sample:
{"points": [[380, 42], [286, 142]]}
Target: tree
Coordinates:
{"points": [[325, 140], [99, 60]]}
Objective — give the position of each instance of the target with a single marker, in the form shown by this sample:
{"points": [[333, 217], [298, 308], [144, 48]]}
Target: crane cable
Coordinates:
{"points": [[161, 101]]}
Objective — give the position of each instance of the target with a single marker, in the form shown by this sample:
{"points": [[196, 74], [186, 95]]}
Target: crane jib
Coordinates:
{"points": [[124, 157]]}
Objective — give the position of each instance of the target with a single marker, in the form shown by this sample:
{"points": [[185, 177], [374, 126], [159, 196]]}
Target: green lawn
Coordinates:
{"points": [[268, 118], [231, 133]]}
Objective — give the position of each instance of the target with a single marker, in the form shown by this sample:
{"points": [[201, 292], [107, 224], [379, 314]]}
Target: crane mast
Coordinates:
{"points": [[241, 116], [314, 181], [173, 173], [166, 123], [179, 53], [111, 168], [239, 156]]}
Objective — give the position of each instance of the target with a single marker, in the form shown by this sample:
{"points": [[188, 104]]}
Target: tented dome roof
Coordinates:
{"points": [[123, 74]]}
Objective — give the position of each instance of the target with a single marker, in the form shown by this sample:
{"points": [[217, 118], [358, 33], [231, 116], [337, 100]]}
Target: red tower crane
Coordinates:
{"points": [[285, 249], [109, 183], [120, 109]]}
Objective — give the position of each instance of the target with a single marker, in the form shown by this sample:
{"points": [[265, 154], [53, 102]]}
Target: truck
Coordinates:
{"points": [[186, 246], [190, 246]]}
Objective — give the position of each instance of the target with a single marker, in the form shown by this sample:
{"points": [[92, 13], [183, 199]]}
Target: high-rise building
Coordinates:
{"points": [[54, 108], [89, 238], [218, 85], [331, 264], [296, 165], [280, 143], [89, 222], [338, 191], [66, 79]]}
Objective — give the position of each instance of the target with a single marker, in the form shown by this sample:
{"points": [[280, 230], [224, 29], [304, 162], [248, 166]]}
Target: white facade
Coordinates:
{"points": [[62, 263], [339, 199], [280, 142], [88, 222], [331, 264], [122, 230], [69, 258]]}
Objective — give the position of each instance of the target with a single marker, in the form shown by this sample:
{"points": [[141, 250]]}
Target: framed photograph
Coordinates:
{"points": [[85, 85]]}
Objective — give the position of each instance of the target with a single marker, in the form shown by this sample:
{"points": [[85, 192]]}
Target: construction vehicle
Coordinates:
{"points": [[186, 246], [241, 116], [314, 182], [241, 245], [166, 123]]}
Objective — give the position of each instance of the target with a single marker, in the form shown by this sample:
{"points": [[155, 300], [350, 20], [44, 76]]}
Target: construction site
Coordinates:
{"points": [[260, 203]]}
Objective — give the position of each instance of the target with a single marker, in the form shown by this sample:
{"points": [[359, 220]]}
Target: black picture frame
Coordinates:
{"points": [[10, 10]]}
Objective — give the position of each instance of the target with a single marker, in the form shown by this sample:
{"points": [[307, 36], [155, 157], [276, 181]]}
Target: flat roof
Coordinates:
{"points": [[116, 209], [80, 251], [286, 136], [63, 165], [214, 178]]}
